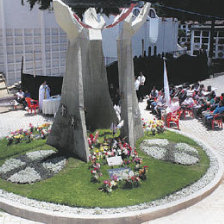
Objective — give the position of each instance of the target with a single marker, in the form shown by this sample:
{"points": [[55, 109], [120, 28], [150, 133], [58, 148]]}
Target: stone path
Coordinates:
{"points": [[208, 211]]}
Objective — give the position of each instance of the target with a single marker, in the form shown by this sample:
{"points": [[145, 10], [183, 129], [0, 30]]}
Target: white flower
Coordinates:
{"points": [[39, 154], [160, 142], [11, 164], [55, 165], [28, 175]]}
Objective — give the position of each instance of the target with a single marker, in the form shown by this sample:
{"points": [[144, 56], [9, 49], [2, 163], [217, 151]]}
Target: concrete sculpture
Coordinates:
{"points": [[99, 108], [68, 132], [85, 95], [130, 112]]}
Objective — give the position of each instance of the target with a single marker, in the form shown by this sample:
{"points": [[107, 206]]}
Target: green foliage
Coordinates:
{"points": [[72, 185]]}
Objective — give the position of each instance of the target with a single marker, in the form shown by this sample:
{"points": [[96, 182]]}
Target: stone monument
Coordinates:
{"points": [[130, 112], [98, 104], [85, 97], [68, 132]]}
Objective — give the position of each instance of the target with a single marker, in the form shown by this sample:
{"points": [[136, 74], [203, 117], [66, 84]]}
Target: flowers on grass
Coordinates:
{"points": [[9, 139], [108, 186], [93, 140], [27, 135], [132, 181], [112, 147], [155, 126], [96, 174]]}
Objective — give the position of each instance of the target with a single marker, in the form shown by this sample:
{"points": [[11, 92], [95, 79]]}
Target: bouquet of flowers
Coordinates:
{"points": [[108, 186], [18, 138], [132, 181], [137, 161], [142, 172], [92, 140], [43, 133], [31, 127], [28, 135], [155, 126], [160, 126], [96, 173], [10, 139]]}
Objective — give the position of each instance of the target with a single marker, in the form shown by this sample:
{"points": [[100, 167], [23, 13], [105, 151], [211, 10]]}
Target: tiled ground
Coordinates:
{"points": [[208, 211]]}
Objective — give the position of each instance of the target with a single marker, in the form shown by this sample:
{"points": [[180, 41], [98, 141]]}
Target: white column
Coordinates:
{"points": [[42, 26], [192, 42]]}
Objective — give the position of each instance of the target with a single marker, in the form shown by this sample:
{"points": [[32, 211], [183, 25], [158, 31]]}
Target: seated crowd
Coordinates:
{"points": [[194, 99]]}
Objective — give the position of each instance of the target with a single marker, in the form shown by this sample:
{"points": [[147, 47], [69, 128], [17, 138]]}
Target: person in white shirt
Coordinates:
{"points": [[20, 97], [44, 93], [174, 106], [137, 84], [141, 79], [188, 101]]}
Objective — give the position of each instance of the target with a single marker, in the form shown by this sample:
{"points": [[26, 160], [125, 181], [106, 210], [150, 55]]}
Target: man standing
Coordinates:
{"points": [[44, 93], [141, 79], [137, 85]]}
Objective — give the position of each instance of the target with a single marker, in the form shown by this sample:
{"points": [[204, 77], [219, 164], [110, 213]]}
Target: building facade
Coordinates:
{"points": [[201, 37], [35, 36]]}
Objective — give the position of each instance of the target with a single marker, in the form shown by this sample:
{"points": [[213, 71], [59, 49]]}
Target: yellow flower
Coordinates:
{"points": [[18, 136], [154, 126], [101, 148]]}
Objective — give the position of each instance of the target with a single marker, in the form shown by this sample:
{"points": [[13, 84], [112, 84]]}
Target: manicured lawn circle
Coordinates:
{"points": [[72, 185]]}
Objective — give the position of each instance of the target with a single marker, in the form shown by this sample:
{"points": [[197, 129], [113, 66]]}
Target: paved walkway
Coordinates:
{"points": [[211, 209], [208, 211]]}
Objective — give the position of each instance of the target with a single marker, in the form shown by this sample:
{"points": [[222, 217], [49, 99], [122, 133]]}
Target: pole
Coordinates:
{"points": [[211, 45]]}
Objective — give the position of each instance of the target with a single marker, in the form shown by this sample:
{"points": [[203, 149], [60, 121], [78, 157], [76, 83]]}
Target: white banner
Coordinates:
{"points": [[166, 86]]}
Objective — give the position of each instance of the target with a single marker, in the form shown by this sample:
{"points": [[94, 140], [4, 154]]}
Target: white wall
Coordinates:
{"points": [[35, 35]]}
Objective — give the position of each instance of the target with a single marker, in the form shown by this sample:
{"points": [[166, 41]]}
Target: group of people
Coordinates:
{"points": [[44, 93], [203, 102]]}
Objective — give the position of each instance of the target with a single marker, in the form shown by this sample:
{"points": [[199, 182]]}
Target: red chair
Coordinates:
{"points": [[217, 119], [32, 104], [173, 118], [188, 110]]}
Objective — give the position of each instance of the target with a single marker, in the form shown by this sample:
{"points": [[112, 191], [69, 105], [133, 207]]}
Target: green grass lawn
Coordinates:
{"points": [[72, 185]]}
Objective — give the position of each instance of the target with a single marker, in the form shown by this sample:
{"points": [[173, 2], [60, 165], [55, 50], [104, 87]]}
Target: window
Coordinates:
{"points": [[19, 40], [205, 33], [155, 50], [9, 41], [197, 40], [221, 41], [204, 40], [8, 32], [197, 33], [18, 32], [195, 52], [221, 34], [220, 54], [28, 32], [136, 12], [152, 13], [28, 40], [37, 32]]}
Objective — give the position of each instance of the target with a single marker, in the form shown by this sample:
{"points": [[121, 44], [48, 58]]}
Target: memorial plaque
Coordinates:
{"points": [[120, 173], [114, 161]]}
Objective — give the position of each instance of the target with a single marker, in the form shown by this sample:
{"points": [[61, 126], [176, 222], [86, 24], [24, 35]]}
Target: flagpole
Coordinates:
{"points": [[166, 84]]}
